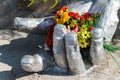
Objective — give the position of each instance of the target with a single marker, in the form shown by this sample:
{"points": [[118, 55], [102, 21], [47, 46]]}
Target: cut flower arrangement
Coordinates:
{"points": [[81, 24], [74, 22]]}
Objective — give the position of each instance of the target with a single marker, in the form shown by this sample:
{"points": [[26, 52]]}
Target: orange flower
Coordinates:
{"points": [[90, 19], [65, 17]]}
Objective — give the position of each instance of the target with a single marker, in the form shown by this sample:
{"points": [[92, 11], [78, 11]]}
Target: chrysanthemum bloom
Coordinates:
{"points": [[84, 27], [65, 17], [82, 43]]}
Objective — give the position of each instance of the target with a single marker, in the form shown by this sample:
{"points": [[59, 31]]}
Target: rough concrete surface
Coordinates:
{"points": [[14, 45], [9, 9]]}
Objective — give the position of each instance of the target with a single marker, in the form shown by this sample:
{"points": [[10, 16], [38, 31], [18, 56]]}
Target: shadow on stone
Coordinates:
{"points": [[6, 75], [12, 53]]}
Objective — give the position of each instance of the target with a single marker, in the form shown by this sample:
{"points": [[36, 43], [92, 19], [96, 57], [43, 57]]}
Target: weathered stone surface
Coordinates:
{"points": [[38, 62], [74, 58], [117, 35], [39, 5], [6, 10], [81, 6], [96, 49], [27, 24], [59, 51], [11, 53], [9, 10], [35, 25], [109, 19]]}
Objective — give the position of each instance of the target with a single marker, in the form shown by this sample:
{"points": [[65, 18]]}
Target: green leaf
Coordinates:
{"points": [[56, 2], [111, 48], [31, 3], [44, 1]]}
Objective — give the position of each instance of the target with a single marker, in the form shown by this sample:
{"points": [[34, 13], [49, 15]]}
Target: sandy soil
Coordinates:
{"points": [[15, 44]]}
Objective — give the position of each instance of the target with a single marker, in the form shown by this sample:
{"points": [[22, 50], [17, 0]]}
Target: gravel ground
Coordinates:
{"points": [[15, 44]]}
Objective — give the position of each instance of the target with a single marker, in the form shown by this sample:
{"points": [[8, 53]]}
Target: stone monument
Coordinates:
{"points": [[108, 23]]}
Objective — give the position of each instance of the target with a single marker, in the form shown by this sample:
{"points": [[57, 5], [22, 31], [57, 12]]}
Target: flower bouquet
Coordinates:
{"points": [[74, 22]]}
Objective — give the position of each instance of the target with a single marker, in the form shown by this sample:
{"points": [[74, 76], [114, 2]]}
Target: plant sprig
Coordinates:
{"points": [[44, 1]]}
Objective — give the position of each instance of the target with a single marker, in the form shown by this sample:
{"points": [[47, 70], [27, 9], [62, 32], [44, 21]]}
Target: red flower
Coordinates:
{"points": [[64, 8], [86, 13], [76, 16], [71, 14], [57, 13], [90, 28], [49, 38], [79, 30], [82, 18]]}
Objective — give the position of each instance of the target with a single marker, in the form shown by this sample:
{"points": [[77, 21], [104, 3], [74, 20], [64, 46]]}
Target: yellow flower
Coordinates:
{"points": [[73, 23], [83, 38], [85, 34], [88, 34], [59, 21], [83, 43], [63, 16], [84, 27], [80, 37]]}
